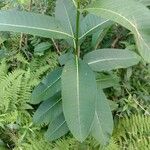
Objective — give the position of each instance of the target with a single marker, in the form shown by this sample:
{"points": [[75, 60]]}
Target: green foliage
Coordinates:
{"points": [[41, 48], [130, 133], [133, 132], [108, 59], [15, 91], [49, 110], [57, 128], [30, 23], [78, 107], [16, 85], [103, 124], [134, 17], [48, 87], [77, 81]]}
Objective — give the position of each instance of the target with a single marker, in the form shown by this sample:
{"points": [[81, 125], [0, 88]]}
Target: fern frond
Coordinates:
{"points": [[133, 132], [3, 69], [10, 86]]}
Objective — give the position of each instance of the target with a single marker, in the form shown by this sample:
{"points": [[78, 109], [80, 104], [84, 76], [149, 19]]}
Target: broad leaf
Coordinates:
{"points": [[31, 23], [78, 96], [103, 121], [65, 12], [57, 128], [90, 24], [130, 14], [109, 59], [48, 87], [49, 110]]}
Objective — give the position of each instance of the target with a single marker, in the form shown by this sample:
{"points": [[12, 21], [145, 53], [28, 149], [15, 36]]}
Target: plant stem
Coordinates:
{"points": [[77, 52]]}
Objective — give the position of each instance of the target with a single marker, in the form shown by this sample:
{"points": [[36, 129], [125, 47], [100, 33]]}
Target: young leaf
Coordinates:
{"points": [[109, 59], [49, 110], [130, 14], [40, 48], [113, 105], [90, 24], [57, 128], [48, 87], [78, 96], [65, 12], [31, 23], [103, 121]]}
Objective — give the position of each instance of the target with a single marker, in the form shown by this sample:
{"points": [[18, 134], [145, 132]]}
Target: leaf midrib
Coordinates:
{"points": [[92, 29], [69, 22], [133, 25], [36, 28], [100, 125], [106, 79], [49, 86], [51, 107], [58, 128], [111, 59], [78, 95]]}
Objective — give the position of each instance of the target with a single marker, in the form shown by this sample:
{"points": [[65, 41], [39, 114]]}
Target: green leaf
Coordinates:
{"points": [[49, 110], [57, 128], [98, 37], [31, 23], [105, 81], [48, 87], [40, 48], [3, 54], [90, 24], [109, 59], [103, 121], [130, 14], [113, 105], [65, 12], [65, 57], [145, 2], [78, 96]]}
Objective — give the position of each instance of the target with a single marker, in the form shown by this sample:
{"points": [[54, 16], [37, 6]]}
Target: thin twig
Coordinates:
{"points": [[141, 106], [113, 45], [30, 6], [56, 46], [21, 41], [23, 37]]}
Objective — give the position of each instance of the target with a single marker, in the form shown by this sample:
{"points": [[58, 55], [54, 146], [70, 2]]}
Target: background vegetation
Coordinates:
{"points": [[23, 63]]}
